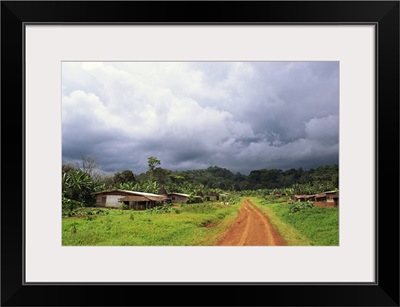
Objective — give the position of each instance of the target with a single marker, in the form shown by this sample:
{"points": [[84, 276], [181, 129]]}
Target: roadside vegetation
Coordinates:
{"points": [[302, 224], [178, 225]]}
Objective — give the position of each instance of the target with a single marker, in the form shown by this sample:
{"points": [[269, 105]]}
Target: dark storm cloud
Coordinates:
{"points": [[237, 115]]}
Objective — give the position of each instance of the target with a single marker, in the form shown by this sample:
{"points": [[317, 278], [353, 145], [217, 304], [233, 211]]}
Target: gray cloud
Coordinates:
{"points": [[237, 115]]}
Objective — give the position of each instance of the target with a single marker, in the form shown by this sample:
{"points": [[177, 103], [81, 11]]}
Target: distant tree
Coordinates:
{"points": [[162, 175], [124, 177], [88, 165], [66, 167], [153, 162]]}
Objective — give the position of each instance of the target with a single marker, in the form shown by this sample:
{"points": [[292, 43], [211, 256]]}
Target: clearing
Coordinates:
{"points": [[251, 228]]}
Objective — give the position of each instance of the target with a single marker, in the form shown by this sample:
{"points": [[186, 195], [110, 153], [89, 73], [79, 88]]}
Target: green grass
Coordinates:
{"points": [[315, 226], [187, 225]]}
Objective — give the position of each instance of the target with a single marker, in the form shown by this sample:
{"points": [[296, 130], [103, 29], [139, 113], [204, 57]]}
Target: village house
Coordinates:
{"points": [[134, 200], [163, 192], [300, 198], [173, 197], [331, 197], [212, 196], [178, 197]]}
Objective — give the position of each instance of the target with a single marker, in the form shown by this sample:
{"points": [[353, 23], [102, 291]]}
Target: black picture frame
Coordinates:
{"points": [[383, 14]]}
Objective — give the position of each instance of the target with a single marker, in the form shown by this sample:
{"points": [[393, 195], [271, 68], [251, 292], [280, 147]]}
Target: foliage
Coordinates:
{"points": [[125, 176], [79, 186], [317, 227], [298, 206], [153, 162], [324, 178], [141, 186], [193, 199], [167, 208], [200, 208], [70, 206], [119, 228], [79, 181], [123, 206]]}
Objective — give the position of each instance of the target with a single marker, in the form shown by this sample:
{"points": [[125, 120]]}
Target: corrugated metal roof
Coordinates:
{"points": [[127, 192], [180, 194], [304, 196]]}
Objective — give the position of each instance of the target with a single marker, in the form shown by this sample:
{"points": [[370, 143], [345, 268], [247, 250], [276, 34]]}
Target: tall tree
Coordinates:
{"points": [[88, 165], [153, 162]]}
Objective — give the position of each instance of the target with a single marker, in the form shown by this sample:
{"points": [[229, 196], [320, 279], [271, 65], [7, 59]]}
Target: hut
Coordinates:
{"points": [[134, 200], [331, 196], [212, 196], [300, 198], [163, 192], [320, 197], [178, 197], [328, 197]]}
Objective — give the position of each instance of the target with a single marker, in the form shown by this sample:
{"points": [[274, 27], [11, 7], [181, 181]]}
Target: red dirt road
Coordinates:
{"points": [[251, 228]]}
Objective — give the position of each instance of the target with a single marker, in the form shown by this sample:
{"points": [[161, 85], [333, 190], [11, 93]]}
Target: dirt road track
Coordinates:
{"points": [[251, 228]]}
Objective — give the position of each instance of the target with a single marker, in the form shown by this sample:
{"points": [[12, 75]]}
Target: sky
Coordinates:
{"points": [[241, 116]]}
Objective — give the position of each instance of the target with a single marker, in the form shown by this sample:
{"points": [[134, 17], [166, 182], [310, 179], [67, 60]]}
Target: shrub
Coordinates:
{"points": [[192, 199], [298, 206], [199, 208], [167, 208], [90, 216], [70, 206], [123, 206]]}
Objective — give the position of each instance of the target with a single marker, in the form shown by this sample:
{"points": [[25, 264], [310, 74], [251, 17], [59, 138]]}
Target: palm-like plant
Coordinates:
{"points": [[78, 186]]}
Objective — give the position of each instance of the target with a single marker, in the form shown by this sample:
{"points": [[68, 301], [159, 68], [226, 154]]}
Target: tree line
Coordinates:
{"points": [[81, 179]]}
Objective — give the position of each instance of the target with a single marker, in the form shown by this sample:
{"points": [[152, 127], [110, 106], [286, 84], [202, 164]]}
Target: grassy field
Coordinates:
{"points": [[314, 226], [184, 225], [195, 224]]}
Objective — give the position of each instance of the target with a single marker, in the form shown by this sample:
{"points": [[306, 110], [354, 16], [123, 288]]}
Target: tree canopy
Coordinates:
{"points": [[79, 181]]}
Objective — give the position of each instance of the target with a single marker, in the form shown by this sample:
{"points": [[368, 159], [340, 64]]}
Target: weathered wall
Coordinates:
{"points": [[324, 204], [111, 200], [177, 198]]}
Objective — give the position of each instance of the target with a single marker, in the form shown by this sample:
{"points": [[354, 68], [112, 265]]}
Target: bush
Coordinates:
{"points": [[199, 208], [70, 206], [192, 199], [298, 206], [167, 208], [123, 206]]}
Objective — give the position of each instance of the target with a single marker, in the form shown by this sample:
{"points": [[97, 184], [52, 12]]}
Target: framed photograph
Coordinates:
{"points": [[149, 152]]}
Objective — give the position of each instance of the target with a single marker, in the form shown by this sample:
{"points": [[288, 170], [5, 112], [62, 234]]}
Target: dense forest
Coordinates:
{"points": [[81, 179]]}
